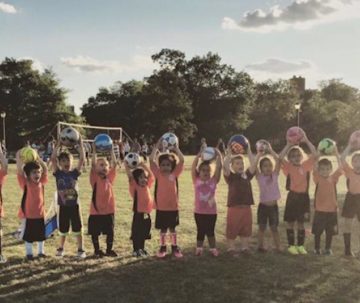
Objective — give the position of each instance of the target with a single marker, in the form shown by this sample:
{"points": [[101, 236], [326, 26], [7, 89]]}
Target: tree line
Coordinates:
{"points": [[196, 97]]}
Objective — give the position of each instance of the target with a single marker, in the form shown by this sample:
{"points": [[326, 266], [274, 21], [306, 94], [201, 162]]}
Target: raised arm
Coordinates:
{"points": [[284, 151], [219, 165], [276, 158], [227, 163], [3, 161], [81, 155], [43, 166], [253, 160], [180, 155], [154, 154], [19, 164], [195, 163], [113, 158], [54, 161], [311, 146], [93, 156], [344, 154], [128, 171]]}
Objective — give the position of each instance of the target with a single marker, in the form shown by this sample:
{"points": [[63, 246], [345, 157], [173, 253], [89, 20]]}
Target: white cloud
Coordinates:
{"points": [[89, 64], [36, 64], [299, 14], [7, 8], [279, 66]]}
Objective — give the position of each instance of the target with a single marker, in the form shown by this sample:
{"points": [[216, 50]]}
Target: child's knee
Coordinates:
{"points": [[274, 229]]}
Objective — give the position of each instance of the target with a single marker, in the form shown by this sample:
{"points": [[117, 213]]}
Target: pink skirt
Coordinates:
{"points": [[239, 222]]}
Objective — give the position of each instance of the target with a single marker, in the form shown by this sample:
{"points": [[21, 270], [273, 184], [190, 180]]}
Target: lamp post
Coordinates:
{"points": [[3, 115], [298, 108]]}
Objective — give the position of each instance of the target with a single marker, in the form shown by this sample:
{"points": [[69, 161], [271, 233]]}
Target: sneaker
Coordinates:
{"points": [[262, 250], [175, 250], [293, 250], [2, 259], [41, 255], [60, 252], [245, 251], [214, 252], [162, 252], [111, 253], [301, 250], [349, 254], [81, 254], [30, 257], [317, 252], [99, 253], [136, 254], [199, 251], [144, 253], [328, 252]]}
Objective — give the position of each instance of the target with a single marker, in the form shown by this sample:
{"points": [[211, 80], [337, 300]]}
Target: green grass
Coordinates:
{"points": [[255, 278]]}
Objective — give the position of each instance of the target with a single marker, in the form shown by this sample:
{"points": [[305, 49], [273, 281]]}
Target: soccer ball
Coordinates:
{"points": [[294, 135], [262, 146], [103, 143], [326, 146], [28, 154], [133, 160], [354, 140], [169, 141], [208, 154], [238, 144], [69, 137]]}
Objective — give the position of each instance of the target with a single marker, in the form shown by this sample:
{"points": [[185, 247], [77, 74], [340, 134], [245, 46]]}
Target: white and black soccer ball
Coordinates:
{"points": [[69, 137], [208, 154], [133, 160], [169, 141]]}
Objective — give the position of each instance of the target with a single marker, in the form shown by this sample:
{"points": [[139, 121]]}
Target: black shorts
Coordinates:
{"points": [[69, 215], [297, 205], [166, 219], [141, 226], [33, 230], [351, 206], [101, 224], [205, 224], [325, 221], [268, 214]]}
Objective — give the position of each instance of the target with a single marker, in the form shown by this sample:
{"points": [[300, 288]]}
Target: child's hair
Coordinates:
{"points": [[30, 166], [354, 156], [136, 173], [65, 156], [295, 148], [168, 157], [263, 160], [325, 162], [237, 157]]}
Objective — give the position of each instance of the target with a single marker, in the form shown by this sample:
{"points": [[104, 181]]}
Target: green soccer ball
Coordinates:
{"points": [[326, 146]]}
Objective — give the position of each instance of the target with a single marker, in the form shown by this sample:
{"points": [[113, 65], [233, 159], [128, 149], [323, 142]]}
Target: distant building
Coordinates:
{"points": [[298, 84]]}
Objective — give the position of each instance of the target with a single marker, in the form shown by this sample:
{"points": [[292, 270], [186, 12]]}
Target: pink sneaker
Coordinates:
{"points": [[198, 251], [214, 252], [162, 252], [176, 252]]}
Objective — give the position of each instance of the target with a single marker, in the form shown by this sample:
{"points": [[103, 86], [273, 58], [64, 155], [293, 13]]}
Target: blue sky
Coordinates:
{"points": [[94, 43]]}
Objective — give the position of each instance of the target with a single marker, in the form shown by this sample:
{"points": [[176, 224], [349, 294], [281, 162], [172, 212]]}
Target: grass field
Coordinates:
{"points": [[267, 277]]}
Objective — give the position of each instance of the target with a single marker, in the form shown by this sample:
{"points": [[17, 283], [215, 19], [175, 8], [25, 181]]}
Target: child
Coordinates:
{"points": [[325, 218], [32, 177], [102, 209], [166, 169], [3, 173], [68, 197], [140, 181], [205, 204], [240, 199], [351, 206], [297, 208], [268, 211]]}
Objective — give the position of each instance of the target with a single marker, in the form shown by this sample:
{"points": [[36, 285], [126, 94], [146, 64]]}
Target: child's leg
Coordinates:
{"points": [[261, 235], [317, 240], [301, 234], [347, 235], [290, 233], [231, 244], [276, 237], [95, 242], [109, 241], [211, 232], [200, 236], [62, 241], [41, 250], [328, 239], [163, 237], [28, 248], [244, 243], [173, 237]]}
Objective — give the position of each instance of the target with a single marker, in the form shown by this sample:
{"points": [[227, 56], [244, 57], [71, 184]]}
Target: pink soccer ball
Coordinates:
{"points": [[354, 140], [262, 146], [294, 135]]}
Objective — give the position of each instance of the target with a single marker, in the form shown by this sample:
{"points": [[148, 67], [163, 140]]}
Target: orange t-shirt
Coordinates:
{"points": [[2, 179], [353, 179], [166, 189], [298, 174], [103, 200], [33, 206], [325, 193], [144, 201]]}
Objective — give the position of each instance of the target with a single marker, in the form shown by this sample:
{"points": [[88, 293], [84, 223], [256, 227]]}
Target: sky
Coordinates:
{"points": [[91, 43]]}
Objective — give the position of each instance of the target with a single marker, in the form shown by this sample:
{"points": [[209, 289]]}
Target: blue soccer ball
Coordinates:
{"points": [[238, 144], [103, 143]]}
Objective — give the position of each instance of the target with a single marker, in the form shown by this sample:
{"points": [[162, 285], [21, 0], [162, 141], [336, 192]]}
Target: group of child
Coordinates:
{"points": [[164, 171]]}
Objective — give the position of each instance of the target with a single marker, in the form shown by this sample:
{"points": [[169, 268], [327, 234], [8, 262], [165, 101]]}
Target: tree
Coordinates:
{"points": [[33, 101]]}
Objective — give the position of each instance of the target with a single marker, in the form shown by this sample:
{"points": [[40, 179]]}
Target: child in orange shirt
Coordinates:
{"points": [[3, 173], [297, 208], [325, 218], [166, 168], [140, 181], [102, 208], [351, 206], [32, 177]]}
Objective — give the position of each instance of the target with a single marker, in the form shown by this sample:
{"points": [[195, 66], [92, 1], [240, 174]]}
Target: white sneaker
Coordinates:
{"points": [[81, 254], [2, 259], [60, 252]]}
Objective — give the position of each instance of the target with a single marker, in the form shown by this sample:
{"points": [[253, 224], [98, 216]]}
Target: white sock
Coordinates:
{"points": [[28, 248], [41, 247]]}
